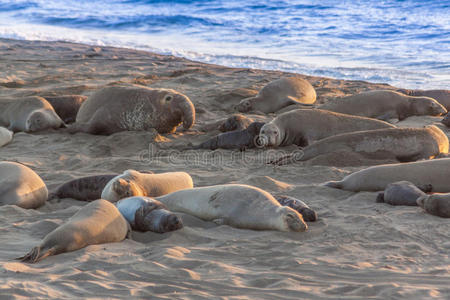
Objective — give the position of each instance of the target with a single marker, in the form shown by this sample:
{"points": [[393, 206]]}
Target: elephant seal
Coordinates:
{"points": [[147, 214], [21, 186], [235, 122], [429, 176], [307, 213], [278, 94], [98, 222], [133, 183], [237, 205], [66, 106], [400, 193], [120, 108], [402, 144], [303, 126], [436, 204], [441, 96], [240, 139], [87, 188], [30, 115], [385, 105], [5, 136]]}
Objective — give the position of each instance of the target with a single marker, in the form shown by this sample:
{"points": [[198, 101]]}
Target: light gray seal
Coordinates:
{"points": [[436, 204], [400, 193]]}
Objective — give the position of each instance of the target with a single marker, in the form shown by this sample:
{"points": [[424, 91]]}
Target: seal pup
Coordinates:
{"points": [[5, 136], [98, 222], [30, 114], [402, 144], [235, 122], [441, 96], [237, 205], [87, 188], [303, 126], [133, 183], [436, 204], [66, 106], [278, 94], [429, 176], [147, 214], [239, 139], [385, 105], [400, 193], [307, 213], [120, 108], [21, 186]]}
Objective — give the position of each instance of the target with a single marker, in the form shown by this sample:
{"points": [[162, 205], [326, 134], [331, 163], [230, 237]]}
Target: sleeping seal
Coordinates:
{"points": [[400, 193], [436, 204], [307, 213]]}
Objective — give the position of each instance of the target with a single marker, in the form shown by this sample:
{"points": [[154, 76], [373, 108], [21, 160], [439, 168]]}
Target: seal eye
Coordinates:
{"points": [[168, 98], [275, 132]]}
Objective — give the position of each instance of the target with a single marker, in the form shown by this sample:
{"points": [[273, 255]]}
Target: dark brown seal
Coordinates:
{"points": [[66, 106]]}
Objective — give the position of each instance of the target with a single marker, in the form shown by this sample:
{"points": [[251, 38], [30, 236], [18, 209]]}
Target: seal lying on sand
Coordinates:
{"points": [[66, 106], [385, 105], [237, 205], [441, 96], [87, 188], [30, 115], [98, 222], [120, 108], [5, 136], [400, 193], [147, 214], [278, 94], [402, 144], [429, 176], [239, 139], [235, 122], [307, 213], [21, 186], [303, 126], [436, 204], [133, 183]]}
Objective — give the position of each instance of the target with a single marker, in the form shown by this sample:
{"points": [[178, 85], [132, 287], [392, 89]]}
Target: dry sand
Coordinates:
{"points": [[358, 249]]}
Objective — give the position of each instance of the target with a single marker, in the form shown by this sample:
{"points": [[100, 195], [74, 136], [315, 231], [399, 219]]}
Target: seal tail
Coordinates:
{"points": [[334, 184], [35, 255]]}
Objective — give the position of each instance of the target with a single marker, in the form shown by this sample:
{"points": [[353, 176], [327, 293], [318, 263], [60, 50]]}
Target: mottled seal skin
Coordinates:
{"points": [[400, 193], [5, 136], [385, 105], [98, 222], [147, 214], [436, 204], [429, 176], [279, 94], [30, 114], [308, 214], [235, 122], [66, 106], [303, 126], [21, 186], [87, 188], [120, 108], [237, 205], [441, 96], [239, 139]]}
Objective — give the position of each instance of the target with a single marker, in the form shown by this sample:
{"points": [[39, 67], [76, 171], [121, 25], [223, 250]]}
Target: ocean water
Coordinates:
{"points": [[405, 43]]}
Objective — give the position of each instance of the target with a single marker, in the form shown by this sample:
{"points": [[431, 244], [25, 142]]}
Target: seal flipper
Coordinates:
{"points": [[334, 184], [35, 255]]}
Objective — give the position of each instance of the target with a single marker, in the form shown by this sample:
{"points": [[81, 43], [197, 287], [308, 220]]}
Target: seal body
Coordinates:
{"points": [[400, 193], [441, 96], [238, 139], [133, 183], [147, 214], [21, 186], [85, 188], [278, 94], [436, 204], [307, 213], [385, 105], [235, 122], [66, 106], [5, 136], [429, 176], [30, 115], [121, 108], [237, 205], [98, 222], [303, 126]]}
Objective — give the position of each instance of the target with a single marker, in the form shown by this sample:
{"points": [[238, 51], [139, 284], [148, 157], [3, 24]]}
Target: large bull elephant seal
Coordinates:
{"points": [[436, 204], [30, 115], [278, 94], [98, 222], [385, 105], [5, 136], [303, 126], [429, 176], [21, 186], [441, 96], [237, 205], [120, 108], [133, 183], [66, 106]]}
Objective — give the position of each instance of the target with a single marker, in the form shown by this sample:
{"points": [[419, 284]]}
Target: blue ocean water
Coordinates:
{"points": [[404, 42]]}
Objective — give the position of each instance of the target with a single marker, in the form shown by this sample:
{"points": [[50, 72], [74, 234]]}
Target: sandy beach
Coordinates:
{"points": [[357, 249]]}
